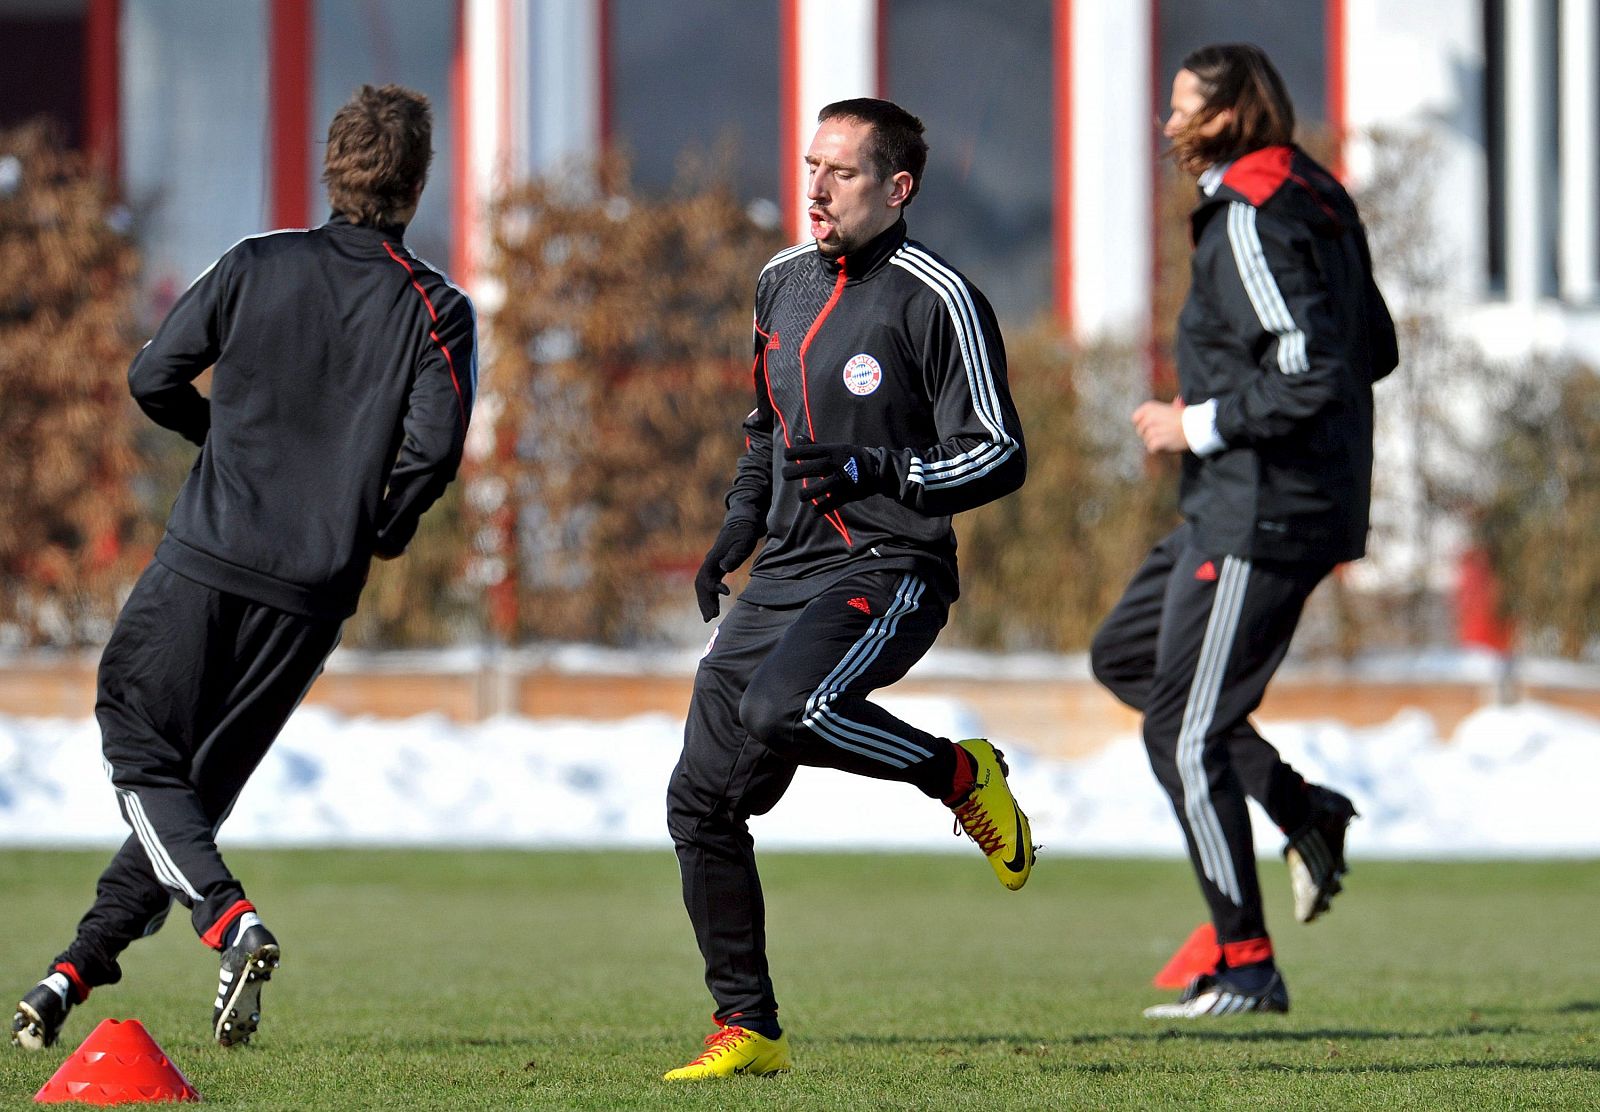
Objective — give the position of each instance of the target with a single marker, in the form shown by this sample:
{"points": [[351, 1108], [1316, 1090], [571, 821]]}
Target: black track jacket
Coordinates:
{"points": [[891, 349], [1283, 334], [344, 374]]}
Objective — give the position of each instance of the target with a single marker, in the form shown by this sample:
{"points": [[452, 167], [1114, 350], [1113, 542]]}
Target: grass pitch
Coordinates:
{"points": [[462, 980]]}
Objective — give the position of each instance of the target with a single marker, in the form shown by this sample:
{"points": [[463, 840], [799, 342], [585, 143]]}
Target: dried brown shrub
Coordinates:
{"points": [[620, 378], [70, 531], [1041, 568]]}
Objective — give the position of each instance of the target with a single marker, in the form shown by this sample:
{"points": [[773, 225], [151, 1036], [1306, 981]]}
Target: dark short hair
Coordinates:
{"points": [[379, 147], [1237, 76], [896, 142]]}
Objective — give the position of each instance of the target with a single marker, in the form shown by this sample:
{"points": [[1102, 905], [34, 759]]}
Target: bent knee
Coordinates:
{"points": [[769, 718]]}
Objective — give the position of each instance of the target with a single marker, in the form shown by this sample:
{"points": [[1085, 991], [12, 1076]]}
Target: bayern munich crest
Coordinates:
{"points": [[862, 375]]}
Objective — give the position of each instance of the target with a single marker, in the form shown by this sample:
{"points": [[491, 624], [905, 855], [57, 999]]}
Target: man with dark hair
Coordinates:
{"points": [[1279, 345], [343, 374], [881, 409]]}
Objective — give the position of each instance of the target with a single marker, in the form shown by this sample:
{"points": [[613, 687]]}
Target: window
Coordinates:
{"points": [[978, 74], [194, 132], [1293, 35], [43, 70], [686, 76], [379, 42]]}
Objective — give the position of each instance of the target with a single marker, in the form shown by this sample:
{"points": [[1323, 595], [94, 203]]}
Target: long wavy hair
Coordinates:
{"points": [[1238, 77]]}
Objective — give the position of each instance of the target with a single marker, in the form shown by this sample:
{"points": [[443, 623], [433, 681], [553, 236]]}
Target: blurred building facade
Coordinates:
{"points": [[1042, 116]]}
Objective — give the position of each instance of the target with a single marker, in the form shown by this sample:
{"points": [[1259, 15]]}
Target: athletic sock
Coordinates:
{"points": [[243, 923], [61, 985], [958, 781], [764, 1025], [1254, 977]]}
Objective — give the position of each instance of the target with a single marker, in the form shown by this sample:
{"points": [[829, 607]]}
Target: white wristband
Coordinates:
{"points": [[1200, 428]]}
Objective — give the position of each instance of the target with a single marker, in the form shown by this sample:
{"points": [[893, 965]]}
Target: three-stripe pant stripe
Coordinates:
{"points": [[1215, 859], [858, 737], [166, 869]]}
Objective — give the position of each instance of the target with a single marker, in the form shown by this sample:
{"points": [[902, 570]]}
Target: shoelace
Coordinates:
{"points": [[719, 1043], [979, 827]]}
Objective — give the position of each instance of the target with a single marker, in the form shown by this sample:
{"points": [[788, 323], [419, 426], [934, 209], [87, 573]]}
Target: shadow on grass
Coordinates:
{"points": [[1351, 1068], [1579, 1007], [1166, 1034]]}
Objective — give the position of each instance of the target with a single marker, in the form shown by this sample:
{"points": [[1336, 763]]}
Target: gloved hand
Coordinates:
{"points": [[834, 473], [734, 543]]}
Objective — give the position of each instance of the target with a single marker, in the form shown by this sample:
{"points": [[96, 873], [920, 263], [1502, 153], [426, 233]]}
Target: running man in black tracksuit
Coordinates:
{"points": [[881, 410], [343, 376], [1281, 339]]}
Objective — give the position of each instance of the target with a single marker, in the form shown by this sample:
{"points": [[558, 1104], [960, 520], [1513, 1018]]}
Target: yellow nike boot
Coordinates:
{"points": [[988, 812], [734, 1050]]}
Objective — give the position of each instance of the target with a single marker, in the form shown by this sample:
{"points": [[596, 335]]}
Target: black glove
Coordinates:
{"points": [[834, 473], [733, 546]]}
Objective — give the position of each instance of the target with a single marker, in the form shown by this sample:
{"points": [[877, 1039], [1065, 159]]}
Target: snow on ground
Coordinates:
{"points": [[1512, 781]]}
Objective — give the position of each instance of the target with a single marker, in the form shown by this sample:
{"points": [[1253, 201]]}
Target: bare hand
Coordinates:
{"points": [[1160, 426]]}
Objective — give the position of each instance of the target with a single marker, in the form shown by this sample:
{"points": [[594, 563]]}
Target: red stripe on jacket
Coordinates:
{"points": [[461, 402]]}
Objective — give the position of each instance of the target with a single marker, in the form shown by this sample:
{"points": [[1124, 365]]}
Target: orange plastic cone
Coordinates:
{"points": [[117, 1064], [1199, 954]]}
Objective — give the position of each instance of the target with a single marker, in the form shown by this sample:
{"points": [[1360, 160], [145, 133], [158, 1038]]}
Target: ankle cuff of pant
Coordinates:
{"points": [[219, 929], [1248, 952], [80, 987], [764, 1024]]}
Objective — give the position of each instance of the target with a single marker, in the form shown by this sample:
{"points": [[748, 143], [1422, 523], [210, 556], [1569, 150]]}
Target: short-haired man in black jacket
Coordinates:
{"points": [[1279, 344], [881, 409], [343, 373]]}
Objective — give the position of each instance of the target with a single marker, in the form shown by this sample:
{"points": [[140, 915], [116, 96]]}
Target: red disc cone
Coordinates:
{"points": [[117, 1064], [1199, 954]]}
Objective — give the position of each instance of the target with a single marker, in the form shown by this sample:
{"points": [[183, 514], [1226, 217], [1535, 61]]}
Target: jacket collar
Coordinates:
{"points": [[1211, 178], [1253, 178], [870, 257], [395, 233]]}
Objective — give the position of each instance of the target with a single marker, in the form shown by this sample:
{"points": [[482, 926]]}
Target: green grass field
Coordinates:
{"points": [[535, 980]]}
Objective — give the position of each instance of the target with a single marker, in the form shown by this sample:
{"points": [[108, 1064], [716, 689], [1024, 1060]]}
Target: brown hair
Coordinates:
{"points": [[379, 147], [1240, 77], [896, 141]]}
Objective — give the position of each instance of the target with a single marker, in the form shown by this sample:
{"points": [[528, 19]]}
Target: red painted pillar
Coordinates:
{"points": [[463, 189], [102, 89], [788, 110], [1334, 15], [289, 93], [1062, 163]]}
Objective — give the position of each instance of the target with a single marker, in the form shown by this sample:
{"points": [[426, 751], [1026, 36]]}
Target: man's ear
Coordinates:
{"points": [[900, 188], [1217, 124]]}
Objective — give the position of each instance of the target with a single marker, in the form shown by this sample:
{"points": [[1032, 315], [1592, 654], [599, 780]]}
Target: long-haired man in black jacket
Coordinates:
{"points": [[343, 373], [1279, 343], [881, 409]]}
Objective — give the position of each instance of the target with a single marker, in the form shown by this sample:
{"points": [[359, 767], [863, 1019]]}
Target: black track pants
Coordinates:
{"points": [[1192, 643], [779, 688], [194, 686]]}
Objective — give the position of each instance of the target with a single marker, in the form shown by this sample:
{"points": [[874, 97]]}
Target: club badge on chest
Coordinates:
{"points": [[862, 374]]}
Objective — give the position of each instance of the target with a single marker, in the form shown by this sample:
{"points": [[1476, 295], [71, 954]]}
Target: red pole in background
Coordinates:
{"points": [[102, 88], [289, 91], [1334, 30], [1063, 163], [788, 111]]}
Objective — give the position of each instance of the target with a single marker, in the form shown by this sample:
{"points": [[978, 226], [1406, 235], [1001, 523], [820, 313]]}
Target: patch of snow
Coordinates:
{"points": [[1513, 781]]}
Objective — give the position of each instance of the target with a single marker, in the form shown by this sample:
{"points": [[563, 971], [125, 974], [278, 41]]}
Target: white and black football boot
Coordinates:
{"points": [[39, 1016], [1228, 992], [1315, 853], [246, 966]]}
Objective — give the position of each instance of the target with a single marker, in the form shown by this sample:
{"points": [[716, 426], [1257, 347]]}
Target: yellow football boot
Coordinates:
{"points": [[990, 816], [733, 1050]]}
